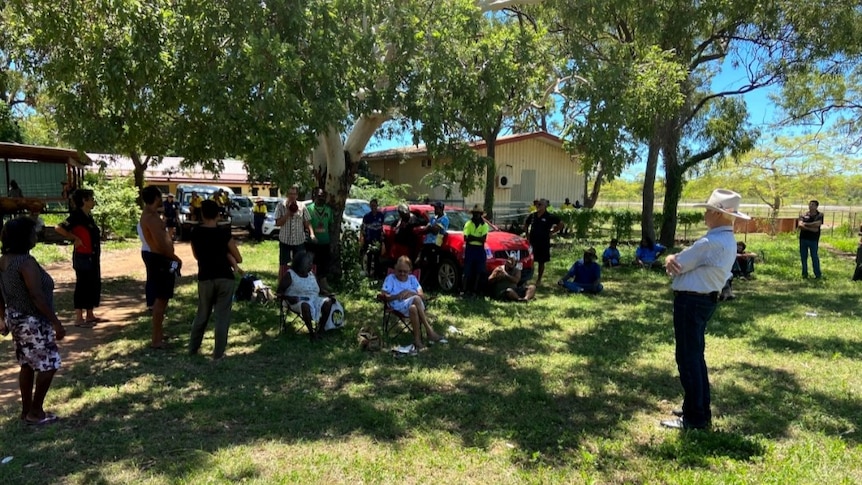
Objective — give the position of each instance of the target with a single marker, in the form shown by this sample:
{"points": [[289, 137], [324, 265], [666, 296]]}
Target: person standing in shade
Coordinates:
{"points": [[809, 238], [82, 229], [699, 272], [259, 212], [371, 232], [148, 286], [475, 234], [211, 246], [171, 212], [435, 231], [294, 220], [321, 223], [161, 262], [540, 226], [27, 310]]}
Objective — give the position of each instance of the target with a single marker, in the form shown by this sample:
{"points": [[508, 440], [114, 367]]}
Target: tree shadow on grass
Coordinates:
{"points": [[696, 449], [153, 406]]}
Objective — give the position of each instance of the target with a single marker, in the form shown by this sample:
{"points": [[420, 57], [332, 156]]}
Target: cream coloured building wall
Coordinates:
{"points": [[537, 167]]}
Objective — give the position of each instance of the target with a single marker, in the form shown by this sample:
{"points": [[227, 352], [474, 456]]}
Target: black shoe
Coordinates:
{"points": [[677, 412], [680, 423]]}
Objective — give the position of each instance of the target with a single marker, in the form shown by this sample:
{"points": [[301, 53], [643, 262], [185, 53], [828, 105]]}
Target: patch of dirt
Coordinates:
{"points": [[122, 306]]}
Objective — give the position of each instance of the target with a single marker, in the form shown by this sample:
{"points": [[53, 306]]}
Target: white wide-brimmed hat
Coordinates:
{"points": [[726, 202]]}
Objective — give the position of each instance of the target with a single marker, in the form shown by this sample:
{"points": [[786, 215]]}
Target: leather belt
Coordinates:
{"points": [[712, 295]]}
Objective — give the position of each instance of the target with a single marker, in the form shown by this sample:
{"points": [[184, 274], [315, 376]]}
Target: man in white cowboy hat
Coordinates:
{"points": [[699, 272]]}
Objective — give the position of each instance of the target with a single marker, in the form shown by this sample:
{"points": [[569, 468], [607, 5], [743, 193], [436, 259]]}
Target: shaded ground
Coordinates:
{"points": [[122, 305]]}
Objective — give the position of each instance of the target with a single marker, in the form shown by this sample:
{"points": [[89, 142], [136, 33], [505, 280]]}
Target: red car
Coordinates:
{"points": [[446, 271]]}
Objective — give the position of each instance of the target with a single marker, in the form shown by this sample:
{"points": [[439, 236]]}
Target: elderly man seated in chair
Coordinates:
{"points": [[404, 294], [504, 283], [300, 289]]}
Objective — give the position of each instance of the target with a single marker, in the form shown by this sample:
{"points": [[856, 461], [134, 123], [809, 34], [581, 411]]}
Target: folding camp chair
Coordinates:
{"points": [[335, 320], [393, 320]]}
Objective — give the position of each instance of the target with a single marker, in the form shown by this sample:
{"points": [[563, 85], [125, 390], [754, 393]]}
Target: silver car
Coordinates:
{"points": [[240, 212]]}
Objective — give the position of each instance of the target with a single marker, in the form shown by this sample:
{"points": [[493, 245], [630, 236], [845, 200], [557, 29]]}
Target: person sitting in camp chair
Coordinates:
{"points": [[299, 288], [403, 293]]}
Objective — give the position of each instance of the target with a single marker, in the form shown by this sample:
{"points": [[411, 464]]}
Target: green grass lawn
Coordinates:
{"points": [[566, 389]]}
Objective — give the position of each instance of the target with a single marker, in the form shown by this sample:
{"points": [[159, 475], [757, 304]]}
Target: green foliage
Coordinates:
{"points": [[10, 130], [623, 222], [351, 262], [384, 191], [479, 75], [688, 219], [116, 211]]}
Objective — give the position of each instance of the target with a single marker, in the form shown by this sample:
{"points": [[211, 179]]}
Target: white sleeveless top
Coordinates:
{"points": [[303, 287], [144, 246]]}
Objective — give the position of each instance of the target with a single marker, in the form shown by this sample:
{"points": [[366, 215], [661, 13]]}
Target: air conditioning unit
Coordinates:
{"points": [[504, 181]]}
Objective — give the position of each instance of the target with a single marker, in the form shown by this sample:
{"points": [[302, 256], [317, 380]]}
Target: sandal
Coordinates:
{"points": [[48, 419]]}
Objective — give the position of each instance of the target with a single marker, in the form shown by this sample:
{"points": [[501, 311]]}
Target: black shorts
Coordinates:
{"points": [[160, 279], [170, 222], [521, 291], [287, 252], [322, 257], [541, 252]]}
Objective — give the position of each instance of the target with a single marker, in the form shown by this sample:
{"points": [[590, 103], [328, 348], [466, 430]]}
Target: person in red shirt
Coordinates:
{"points": [[82, 229]]}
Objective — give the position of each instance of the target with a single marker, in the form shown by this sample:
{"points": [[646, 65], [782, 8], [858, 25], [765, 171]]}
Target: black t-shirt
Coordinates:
{"points": [[540, 227], [170, 210], [809, 235], [404, 234], [79, 223], [210, 247]]}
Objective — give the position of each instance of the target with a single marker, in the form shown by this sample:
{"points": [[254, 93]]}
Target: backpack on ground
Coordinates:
{"points": [[245, 288]]}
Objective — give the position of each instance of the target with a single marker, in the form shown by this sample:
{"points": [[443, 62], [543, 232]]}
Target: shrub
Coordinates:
{"points": [[116, 212]]}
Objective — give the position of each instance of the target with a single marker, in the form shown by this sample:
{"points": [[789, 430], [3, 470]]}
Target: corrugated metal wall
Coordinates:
{"points": [[38, 180]]}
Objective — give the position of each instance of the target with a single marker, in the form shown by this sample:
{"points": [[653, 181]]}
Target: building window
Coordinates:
{"points": [[426, 163], [273, 191], [254, 191], [236, 190]]}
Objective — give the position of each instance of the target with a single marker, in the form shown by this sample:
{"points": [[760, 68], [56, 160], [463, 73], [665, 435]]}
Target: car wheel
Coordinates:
{"points": [[448, 276]]}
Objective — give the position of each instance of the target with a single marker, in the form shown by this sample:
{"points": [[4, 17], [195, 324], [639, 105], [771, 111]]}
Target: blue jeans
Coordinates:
{"points": [[808, 246], [581, 288], [214, 297], [690, 316]]}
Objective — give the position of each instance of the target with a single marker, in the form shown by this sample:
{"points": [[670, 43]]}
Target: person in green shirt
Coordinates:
{"points": [[475, 233], [321, 222]]}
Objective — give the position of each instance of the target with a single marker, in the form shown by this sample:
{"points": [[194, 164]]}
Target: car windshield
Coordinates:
{"points": [[243, 202], [270, 205], [457, 219], [356, 209]]}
